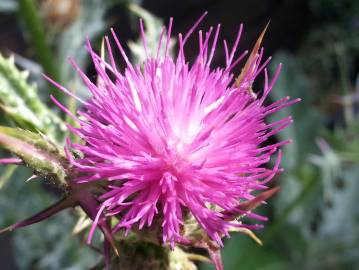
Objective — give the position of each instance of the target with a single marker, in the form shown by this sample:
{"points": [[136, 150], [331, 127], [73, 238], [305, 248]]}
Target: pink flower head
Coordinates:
{"points": [[172, 139]]}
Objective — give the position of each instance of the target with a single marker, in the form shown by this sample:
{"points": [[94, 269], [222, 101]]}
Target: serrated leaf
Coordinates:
{"points": [[20, 101]]}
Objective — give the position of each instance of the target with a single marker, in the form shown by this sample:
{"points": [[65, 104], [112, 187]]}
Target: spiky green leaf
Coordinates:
{"points": [[20, 101]]}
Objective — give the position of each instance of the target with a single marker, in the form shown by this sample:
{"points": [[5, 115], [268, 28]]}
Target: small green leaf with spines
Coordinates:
{"points": [[20, 101]]}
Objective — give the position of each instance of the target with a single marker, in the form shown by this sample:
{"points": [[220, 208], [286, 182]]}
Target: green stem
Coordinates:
{"points": [[36, 31]]}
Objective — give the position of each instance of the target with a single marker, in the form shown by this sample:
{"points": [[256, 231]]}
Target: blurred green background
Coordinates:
{"points": [[314, 220]]}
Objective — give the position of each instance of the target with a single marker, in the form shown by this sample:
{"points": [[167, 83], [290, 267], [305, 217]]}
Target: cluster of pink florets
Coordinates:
{"points": [[172, 138]]}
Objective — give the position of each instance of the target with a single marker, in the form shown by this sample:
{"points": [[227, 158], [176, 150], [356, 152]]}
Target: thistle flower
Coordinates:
{"points": [[171, 139]]}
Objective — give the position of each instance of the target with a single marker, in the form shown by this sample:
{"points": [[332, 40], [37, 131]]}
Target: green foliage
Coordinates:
{"points": [[20, 101]]}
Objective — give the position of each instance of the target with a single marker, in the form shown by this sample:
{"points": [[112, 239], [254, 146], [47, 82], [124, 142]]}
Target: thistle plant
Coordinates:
{"points": [[167, 155]]}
